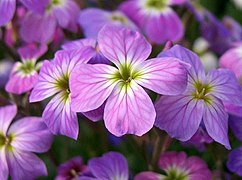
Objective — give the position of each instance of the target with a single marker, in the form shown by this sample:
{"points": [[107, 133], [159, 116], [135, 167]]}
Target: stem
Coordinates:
{"points": [[157, 148], [166, 144]]}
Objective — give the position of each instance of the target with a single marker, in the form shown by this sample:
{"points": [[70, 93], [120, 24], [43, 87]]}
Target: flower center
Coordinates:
{"points": [[74, 173], [63, 83], [27, 67], [157, 4], [175, 174], [125, 74], [5, 141], [118, 17], [202, 91]]}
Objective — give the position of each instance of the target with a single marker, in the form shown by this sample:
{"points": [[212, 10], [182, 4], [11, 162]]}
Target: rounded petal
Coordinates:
{"points": [[31, 134], [123, 46], [216, 121], [38, 28], [77, 44], [7, 113], [7, 10], [166, 76], [96, 114], [225, 86], [234, 163], [24, 165], [90, 86], [59, 116], [179, 116], [166, 26], [111, 165], [129, 110]]}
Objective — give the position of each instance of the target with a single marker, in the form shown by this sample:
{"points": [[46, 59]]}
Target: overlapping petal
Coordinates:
{"points": [[7, 113], [216, 121], [77, 44], [4, 166], [90, 86], [7, 9], [180, 116], [35, 5], [234, 161], [163, 75], [171, 28], [111, 165], [24, 165], [59, 116], [30, 134], [129, 110], [225, 86], [123, 46], [196, 72]]}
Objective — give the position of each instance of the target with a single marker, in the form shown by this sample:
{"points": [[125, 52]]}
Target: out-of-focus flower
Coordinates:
{"points": [[178, 166], [72, 169], [41, 27], [128, 108], [202, 102], [234, 162], [155, 18], [25, 74], [111, 165], [54, 82], [208, 58], [98, 57], [5, 69], [18, 141], [92, 20]]}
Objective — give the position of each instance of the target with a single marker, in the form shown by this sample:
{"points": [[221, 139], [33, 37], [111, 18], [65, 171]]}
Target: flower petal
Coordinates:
{"points": [[59, 116], [7, 113], [179, 116], [216, 121], [111, 165], [149, 175], [163, 75], [7, 9], [4, 166], [77, 44], [171, 28], [90, 86], [129, 110], [19, 82], [96, 114], [235, 123], [234, 163], [196, 72], [35, 5], [24, 165], [121, 45], [30, 134], [225, 86], [177, 2], [38, 28]]}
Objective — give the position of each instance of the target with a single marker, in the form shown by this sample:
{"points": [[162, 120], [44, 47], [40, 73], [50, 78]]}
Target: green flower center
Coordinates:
{"points": [[6, 141], [157, 4], [63, 83], [56, 2], [116, 17], [202, 91], [27, 67], [174, 174]]}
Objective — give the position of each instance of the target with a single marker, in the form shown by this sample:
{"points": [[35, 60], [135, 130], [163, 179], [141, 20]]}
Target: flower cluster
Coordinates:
{"points": [[163, 96]]}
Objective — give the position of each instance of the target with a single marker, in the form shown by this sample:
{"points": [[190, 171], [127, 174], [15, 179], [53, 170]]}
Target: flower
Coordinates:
{"points": [[128, 107], [152, 16], [111, 165], [54, 82], [40, 27], [92, 20], [71, 169], [17, 142], [178, 166], [202, 104], [234, 162], [24, 74]]}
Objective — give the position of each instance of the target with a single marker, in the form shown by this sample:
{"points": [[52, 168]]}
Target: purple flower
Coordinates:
{"points": [[54, 82], [178, 166], [128, 108], [88, 42], [92, 20], [235, 124], [5, 69], [234, 162], [41, 27], [201, 104], [71, 169], [111, 165], [25, 74], [152, 16], [18, 141]]}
